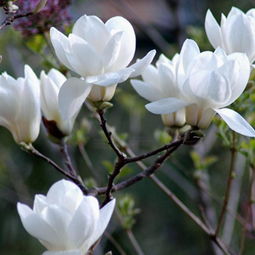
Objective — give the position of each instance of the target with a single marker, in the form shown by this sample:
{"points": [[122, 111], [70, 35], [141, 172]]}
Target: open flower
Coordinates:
{"points": [[100, 53], [160, 82], [207, 82], [236, 32], [65, 221], [61, 100], [20, 106]]}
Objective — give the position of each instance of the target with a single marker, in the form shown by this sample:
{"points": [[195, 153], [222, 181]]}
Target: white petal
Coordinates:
{"points": [[234, 11], [84, 221], [104, 218], [151, 75], [251, 12], [239, 76], [28, 116], [148, 91], [71, 97], [236, 122], [207, 89], [168, 81], [57, 77], [93, 31], [49, 97], [109, 79], [37, 227], [66, 194], [188, 53], [213, 30], [128, 40], [100, 93], [61, 46], [239, 34], [40, 203], [9, 92], [58, 219], [141, 64], [166, 105], [111, 51], [83, 57]]}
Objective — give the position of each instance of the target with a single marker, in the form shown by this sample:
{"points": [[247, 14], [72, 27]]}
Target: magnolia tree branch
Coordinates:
{"points": [[229, 185], [138, 177], [108, 135], [68, 175], [68, 161], [123, 160], [10, 19], [173, 197]]}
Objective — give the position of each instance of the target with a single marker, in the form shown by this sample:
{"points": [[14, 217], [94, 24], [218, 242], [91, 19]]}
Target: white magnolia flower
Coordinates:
{"points": [[207, 82], [236, 32], [159, 82], [20, 106], [61, 100], [100, 53], [65, 221]]}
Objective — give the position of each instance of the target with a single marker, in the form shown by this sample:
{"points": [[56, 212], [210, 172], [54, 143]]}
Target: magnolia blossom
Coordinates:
{"points": [[65, 221], [100, 52], [20, 106], [236, 32], [206, 83], [159, 82], [61, 100]]}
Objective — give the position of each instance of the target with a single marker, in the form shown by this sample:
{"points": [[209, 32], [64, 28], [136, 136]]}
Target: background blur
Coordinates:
{"points": [[160, 227]]}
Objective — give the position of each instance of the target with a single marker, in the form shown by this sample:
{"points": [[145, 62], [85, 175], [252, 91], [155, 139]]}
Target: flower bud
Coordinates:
{"points": [[61, 101], [20, 106]]}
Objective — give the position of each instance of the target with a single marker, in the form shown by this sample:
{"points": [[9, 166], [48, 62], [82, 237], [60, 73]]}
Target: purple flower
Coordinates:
{"points": [[53, 14]]}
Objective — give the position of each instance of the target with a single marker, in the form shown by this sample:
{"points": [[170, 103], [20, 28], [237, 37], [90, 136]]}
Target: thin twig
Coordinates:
{"points": [[68, 161], [134, 242], [176, 200], [76, 180], [138, 177], [229, 184], [123, 160], [115, 243], [10, 19], [108, 135]]}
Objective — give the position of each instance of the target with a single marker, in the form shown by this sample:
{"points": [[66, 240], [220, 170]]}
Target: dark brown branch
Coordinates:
{"points": [[10, 19], [228, 185], [108, 134], [68, 161], [138, 177], [75, 179], [154, 152]]}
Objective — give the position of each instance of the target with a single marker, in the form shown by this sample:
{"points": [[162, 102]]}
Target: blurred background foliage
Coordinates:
{"points": [[144, 214]]}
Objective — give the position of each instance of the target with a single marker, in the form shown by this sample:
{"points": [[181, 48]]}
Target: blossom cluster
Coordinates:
{"points": [[187, 90]]}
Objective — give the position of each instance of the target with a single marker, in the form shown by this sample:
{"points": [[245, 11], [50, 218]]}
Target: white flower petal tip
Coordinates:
{"points": [[65, 221], [212, 29], [21, 117], [166, 105], [236, 122], [141, 64]]}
